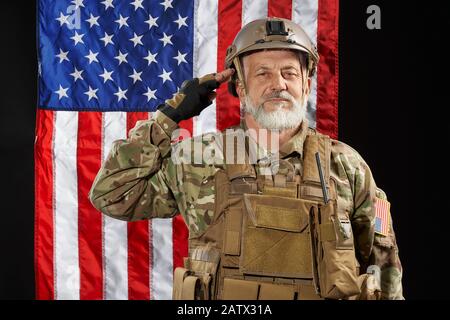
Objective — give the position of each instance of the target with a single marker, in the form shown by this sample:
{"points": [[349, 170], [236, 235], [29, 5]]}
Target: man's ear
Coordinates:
{"points": [[308, 89]]}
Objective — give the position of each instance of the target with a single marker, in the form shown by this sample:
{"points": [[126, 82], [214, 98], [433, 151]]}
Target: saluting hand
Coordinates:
{"points": [[194, 96]]}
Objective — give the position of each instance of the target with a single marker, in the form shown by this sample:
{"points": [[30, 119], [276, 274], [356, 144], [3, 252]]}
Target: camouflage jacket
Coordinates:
{"points": [[139, 180]]}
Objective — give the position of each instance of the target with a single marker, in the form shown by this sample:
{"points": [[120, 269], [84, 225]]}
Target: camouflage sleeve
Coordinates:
{"points": [[385, 255], [133, 183], [371, 248]]}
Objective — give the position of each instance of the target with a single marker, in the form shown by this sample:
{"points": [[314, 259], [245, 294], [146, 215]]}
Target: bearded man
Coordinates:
{"points": [[298, 216]]}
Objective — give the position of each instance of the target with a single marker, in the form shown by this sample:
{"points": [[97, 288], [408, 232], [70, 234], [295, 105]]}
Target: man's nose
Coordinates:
{"points": [[278, 83]]}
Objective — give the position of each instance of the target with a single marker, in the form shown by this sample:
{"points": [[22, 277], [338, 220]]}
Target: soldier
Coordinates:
{"points": [[299, 218]]}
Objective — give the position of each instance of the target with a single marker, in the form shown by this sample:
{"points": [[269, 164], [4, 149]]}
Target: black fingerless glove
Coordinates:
{"points": [[193, 97]]}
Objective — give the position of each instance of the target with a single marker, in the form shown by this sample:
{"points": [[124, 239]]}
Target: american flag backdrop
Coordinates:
{"points": [[103, 65]]}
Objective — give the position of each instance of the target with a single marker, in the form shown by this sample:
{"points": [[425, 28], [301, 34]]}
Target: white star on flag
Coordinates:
{"points": [[137, 4], [91, 93], [151, 21], [62, 92], [77, 38], [167, 4], [151, 57], [136, 39], [62, 55], [107, 39], [136, 76], [106, 75], [93, 21], [121, 94], [122, 21], [150, 94], [166, 39], [62, 19], [78, 3], [121, 57], [165, 75], [77, 75], [181, 21], [108, 4], [92, 56], [180, 57]]}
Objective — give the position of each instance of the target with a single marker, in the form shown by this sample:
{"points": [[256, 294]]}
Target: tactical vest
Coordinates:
{"points": [[273, 237]]}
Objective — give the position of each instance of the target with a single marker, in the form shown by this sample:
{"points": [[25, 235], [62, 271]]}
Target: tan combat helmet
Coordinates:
{"points": [[269, 33]]}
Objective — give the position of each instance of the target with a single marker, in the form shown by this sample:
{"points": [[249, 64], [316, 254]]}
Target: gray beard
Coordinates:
{"points": [[278, 119]]}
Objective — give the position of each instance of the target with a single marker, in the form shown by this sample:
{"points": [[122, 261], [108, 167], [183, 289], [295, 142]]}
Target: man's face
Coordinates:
{"points": [[274, 83]]}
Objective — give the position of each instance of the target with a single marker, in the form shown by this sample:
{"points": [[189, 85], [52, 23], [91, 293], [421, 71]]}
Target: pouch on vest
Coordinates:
{"points": [[335, 261], [197, 281], [275, 237], [185, 285]]}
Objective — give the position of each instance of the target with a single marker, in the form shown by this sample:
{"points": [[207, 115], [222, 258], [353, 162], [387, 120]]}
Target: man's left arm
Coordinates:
{"points": [[375, 241], [385, 250]]}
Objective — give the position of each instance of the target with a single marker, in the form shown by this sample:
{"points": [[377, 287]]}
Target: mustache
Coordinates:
{"points": [[273, 95], [278, 95]]}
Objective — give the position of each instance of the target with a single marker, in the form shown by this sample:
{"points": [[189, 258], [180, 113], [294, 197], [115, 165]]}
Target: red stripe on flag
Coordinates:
{"points": [[229, 23], [280, 9], [386, 217], [139, 264], [43, 223], [90, 248], [327, 71], [187, 125], [180, 235]]}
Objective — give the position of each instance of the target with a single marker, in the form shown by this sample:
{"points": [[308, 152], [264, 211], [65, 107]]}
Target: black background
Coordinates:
{"points": [[383, 113]]}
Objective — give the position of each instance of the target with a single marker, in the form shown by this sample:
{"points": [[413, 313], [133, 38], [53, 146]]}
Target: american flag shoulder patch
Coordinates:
{"points": [[382, 216]]}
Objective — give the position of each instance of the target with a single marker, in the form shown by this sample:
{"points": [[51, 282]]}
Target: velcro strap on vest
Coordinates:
{"points": [[206, 253], [280, 218], [313, 191], [282, 192], [313, 144], [233, 226]]}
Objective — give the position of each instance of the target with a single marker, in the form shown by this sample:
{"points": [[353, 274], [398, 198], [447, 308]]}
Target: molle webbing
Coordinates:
{"points": [[311, 184], [266, 249], [265, 243], [313, 144]]}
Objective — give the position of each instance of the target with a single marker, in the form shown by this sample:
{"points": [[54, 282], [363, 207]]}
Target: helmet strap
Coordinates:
{"points": [[305, 82], [240, 74]]}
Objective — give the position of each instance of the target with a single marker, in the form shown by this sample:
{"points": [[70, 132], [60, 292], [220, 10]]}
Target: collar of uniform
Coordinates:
{"points": [[295, 144], [260, 152]]}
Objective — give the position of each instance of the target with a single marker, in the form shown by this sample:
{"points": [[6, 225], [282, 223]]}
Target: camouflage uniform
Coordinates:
{"points": [[139, 181]]}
